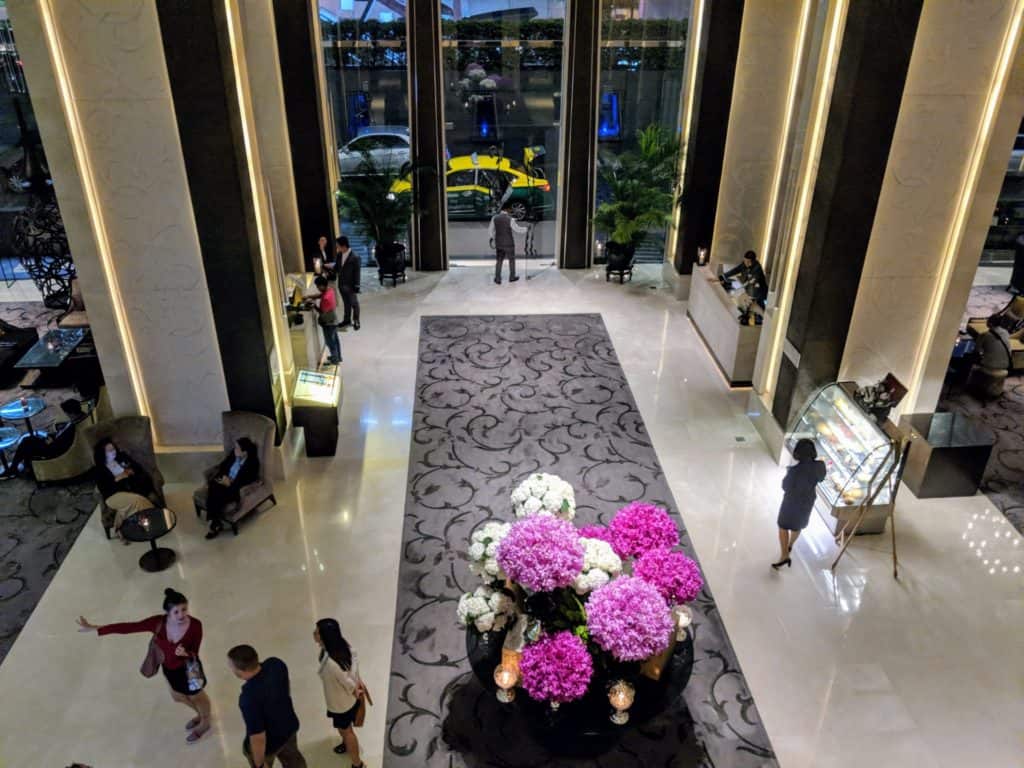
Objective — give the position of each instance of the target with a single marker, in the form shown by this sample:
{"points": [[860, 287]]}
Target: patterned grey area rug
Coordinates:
{"points": [[496, 399], [38, 526]]}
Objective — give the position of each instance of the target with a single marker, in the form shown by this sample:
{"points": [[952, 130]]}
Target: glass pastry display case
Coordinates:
{"points": [[858, 456]]}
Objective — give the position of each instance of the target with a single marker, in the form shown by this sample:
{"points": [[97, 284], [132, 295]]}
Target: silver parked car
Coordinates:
{"points": [[387, 146]]}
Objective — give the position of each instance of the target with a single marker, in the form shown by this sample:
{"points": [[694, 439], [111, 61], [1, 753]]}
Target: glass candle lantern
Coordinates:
{"points": [[620, 696], [684, 618], [505, 679]]}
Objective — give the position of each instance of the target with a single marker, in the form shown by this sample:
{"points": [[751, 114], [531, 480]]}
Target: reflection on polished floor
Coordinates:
{"points": [[847, 671]]}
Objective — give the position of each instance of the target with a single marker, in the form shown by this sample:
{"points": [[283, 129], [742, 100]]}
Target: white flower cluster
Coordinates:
{"points": [[487, 609], [544, 494], [600, 564], [483, 548]]}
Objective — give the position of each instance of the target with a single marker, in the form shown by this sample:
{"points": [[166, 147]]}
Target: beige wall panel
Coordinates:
{"points": [[118, 79], [951, 72], [272, 127], [756, 119]]}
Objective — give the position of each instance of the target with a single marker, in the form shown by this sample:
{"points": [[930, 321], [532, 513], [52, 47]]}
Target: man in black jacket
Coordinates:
{"points": [[347, 267], [752, 278]]}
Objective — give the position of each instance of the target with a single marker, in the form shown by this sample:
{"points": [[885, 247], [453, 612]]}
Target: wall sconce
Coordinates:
{"points": [[620, 696], [505, 679]]}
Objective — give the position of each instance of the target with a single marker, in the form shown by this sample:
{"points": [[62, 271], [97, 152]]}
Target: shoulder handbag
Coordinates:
{"points": [[364, 699], [154, 656]]}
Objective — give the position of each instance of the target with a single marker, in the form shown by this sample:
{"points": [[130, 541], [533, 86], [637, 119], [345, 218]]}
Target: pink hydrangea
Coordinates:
{"points": [[542, 553], [639, 527], [595, 532], [672, 573], [629, 619], [556, 668]]}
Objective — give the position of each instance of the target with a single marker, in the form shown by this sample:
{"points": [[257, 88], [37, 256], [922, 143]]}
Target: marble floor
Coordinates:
{"points": [[848, 670]]}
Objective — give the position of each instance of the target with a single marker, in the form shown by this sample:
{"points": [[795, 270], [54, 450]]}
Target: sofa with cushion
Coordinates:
{"points": [[1015, 311]]}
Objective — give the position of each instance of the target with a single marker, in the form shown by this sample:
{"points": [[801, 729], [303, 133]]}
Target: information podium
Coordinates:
{"points": [[315, 403]]}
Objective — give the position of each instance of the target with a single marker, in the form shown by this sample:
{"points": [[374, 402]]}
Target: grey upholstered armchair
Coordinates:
{"points": [[134, 436], [261, 431]]}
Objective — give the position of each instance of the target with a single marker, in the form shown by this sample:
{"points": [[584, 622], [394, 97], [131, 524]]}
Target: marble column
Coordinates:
{"points": [[314, 155], [709, 120], [578, 178], [756, 124], [103, 103], [962, 104], [267, 89], [877, 41]]}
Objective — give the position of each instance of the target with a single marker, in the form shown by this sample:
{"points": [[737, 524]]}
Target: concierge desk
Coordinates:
{"points": [[307, 340], [315, 403], [715, 316]]}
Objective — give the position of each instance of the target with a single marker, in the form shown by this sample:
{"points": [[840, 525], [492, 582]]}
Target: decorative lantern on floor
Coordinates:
{"points": [[620, 696], [505, 679]]}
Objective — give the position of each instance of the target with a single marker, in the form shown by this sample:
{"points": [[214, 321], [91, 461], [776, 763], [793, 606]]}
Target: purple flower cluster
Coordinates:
{"points": [[639, 527], [672, 573], [595, 532], [629, 618], [542, 553], [556, 668]]}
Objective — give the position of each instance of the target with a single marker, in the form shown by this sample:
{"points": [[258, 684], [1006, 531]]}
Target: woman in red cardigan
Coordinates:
{"points": [[178, 636]]}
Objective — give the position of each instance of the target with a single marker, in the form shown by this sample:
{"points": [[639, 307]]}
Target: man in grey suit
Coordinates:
{"points": [[502, 230]]}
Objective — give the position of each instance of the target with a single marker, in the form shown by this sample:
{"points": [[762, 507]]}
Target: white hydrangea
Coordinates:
{"points": [[600, 564], [483, 549], [487, 609], [544, 494]]}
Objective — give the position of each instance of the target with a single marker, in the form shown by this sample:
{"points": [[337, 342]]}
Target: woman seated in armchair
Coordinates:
{"points": [[123, 484], [239, 468]]}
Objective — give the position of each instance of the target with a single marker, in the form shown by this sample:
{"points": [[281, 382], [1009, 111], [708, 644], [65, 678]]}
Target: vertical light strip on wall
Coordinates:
{"points": [[965, 199], [787, 122], [686, 119], [256, 189], [81, 153], [827, 73]]}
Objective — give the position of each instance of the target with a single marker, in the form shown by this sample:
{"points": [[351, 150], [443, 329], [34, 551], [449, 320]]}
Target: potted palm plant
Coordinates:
{"points": [[641, 190], [368, 200]]}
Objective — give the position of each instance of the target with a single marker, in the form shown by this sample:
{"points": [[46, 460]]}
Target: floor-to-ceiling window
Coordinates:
{"points": [[643, 49], [364, 44], [503, 72]]}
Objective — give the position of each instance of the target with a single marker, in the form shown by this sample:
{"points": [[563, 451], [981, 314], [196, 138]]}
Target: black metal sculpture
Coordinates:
{"points": [[39, 240]]}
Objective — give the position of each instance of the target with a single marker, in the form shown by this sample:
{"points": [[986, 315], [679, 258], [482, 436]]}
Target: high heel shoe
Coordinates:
{"points": [[788, 561]]}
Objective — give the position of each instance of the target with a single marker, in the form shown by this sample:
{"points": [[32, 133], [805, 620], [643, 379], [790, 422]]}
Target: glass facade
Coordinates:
{"points": [[502, 72], [642, 56], [365, 58]]}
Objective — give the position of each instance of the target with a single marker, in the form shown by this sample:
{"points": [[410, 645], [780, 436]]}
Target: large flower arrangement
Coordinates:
{"points": [[583, 601]]}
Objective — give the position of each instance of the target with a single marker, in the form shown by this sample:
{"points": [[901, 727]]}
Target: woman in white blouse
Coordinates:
{"points": [[343, 688]]}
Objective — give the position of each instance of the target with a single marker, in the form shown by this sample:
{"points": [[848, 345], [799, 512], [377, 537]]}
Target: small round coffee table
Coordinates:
{"points": [[8, 436], [23, 408], [149, 525]]}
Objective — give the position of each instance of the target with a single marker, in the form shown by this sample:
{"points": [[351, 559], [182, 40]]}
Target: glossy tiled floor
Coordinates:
{"points": [[848, 671]]}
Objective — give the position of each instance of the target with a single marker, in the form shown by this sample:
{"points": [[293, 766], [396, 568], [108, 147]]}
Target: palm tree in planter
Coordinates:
{"points": [[367, 199], [642, 194]]}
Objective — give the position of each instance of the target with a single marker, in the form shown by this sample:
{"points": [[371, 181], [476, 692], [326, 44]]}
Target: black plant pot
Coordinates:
{"points": [[390, 262], [620, 260]]}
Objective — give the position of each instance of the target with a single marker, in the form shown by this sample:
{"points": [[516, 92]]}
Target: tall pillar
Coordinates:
{"points": [[267, 90], [872, 67], [314, 156], [106, 115], [756, 135], [718, 45], [577, 181], [962, 106], [429, 231], [205, 54]]}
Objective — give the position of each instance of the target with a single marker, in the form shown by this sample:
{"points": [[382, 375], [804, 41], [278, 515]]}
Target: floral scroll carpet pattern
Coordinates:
{"points": [[496, 399]]}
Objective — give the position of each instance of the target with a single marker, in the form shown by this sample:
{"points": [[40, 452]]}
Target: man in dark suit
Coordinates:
{"points": [[347, 267], [502, 231]]}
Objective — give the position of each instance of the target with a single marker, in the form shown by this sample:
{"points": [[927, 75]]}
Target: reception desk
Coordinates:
{"points": [[715, 316]]}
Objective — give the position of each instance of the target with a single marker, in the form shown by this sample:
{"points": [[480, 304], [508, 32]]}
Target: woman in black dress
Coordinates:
{"points": [[239, 468], [125, 486], [798, 484]]}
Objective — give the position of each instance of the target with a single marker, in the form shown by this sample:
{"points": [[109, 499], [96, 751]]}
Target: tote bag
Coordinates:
{"points": [[154, 656]]}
